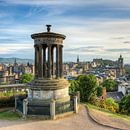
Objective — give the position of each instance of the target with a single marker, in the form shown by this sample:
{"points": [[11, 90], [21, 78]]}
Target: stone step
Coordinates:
{"points": [[50, 82], [56, 86]]}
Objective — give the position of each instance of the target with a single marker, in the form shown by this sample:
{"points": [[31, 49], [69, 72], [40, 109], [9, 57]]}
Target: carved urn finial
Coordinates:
{"points": [[48, 28]]}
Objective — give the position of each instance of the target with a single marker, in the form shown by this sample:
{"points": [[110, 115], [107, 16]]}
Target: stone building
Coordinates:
{"points": [[11, 73], [27, 69], [5, 77]]}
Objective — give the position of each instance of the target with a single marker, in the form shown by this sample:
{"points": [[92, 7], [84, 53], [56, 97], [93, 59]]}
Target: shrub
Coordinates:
{"points": [[102, 103], [112, 105], [94, 100], [124, 105], [108, 104], [9, 101]]}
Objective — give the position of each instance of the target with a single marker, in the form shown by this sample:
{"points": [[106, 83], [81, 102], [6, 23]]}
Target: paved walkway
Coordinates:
{"points": [[79, 121]]}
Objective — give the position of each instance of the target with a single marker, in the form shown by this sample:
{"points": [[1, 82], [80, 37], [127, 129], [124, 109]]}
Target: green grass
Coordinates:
{"points": [[9, 115], [97, 108], [109, 113]]}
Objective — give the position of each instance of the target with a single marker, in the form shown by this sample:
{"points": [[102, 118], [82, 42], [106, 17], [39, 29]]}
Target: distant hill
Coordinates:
{"points": [[109, 62], [18, 60]]}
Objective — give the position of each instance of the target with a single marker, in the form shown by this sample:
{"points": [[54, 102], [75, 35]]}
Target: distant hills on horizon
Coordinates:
{"points": [[31, 61], [18, 60]]}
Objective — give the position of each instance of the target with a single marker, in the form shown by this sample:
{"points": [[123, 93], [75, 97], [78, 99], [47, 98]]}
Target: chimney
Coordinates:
{"points": [[104, 93]]}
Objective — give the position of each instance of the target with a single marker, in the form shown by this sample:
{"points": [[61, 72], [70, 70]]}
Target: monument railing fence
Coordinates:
{"points": [[52, 109], [64, 107], [19, 105], [43, 109]]}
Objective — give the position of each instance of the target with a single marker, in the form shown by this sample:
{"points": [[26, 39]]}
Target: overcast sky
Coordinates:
{"points": [[93, 28]]}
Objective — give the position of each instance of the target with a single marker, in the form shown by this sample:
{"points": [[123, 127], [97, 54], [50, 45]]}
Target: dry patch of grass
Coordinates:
{"points": [[109, 113]]}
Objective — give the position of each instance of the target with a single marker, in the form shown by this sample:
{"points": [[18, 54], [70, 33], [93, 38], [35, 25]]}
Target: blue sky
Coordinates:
{"points": [[94, 28]]}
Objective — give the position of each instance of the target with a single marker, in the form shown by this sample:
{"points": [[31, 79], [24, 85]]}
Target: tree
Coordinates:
{"points": [[73, 88], [124, 104], [110, 84], [87, 87], [26, 78], [99, 91]]}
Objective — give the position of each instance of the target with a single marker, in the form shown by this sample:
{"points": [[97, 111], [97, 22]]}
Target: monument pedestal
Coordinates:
{"points": [[44, 91], [49, 89]]}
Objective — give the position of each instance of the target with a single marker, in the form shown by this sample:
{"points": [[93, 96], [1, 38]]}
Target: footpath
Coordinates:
{"points": [[80, 121]]}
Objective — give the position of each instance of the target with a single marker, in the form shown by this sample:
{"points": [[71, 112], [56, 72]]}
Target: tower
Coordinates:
{"points": [[120, 66], [77, 58], [15, 62]]}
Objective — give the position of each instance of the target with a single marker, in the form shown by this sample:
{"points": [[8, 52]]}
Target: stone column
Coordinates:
{"points": [[75, 105], [25, 108], [36, 61], [44, 62], [78, 96], [40, 62], [60, 62], [57, 61], [52, 61], [49, 61], [52, 109]]}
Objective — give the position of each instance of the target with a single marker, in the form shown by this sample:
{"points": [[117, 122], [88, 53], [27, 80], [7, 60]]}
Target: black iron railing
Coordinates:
{"points": [[43, 109], [61, 108], [20, 105]]}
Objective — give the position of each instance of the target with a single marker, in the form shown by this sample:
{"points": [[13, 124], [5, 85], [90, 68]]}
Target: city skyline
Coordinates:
{"points": [[94, 29]]}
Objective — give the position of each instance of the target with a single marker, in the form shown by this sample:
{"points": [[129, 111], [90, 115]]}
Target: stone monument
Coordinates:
{"points": [[49, 83]]}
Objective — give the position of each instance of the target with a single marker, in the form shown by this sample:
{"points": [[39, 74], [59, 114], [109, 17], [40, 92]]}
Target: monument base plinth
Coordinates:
{"points": [[49, 89]]}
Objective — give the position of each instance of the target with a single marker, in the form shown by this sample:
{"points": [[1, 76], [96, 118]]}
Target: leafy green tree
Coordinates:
{"points": [[99, 91], [124, 104], [87, 87], [73, 86], [26, 78], [110, 84]]}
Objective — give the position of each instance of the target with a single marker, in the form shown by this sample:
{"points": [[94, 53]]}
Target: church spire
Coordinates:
{"points": [[15, 62], [77, 58], [120, 56]]}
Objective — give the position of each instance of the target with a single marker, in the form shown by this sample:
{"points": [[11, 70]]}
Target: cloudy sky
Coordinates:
{"points": [[94, 28]]}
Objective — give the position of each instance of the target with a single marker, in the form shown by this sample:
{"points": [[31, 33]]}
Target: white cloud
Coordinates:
{"points": [[112, 3], [12, 48], [86, 33]]}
